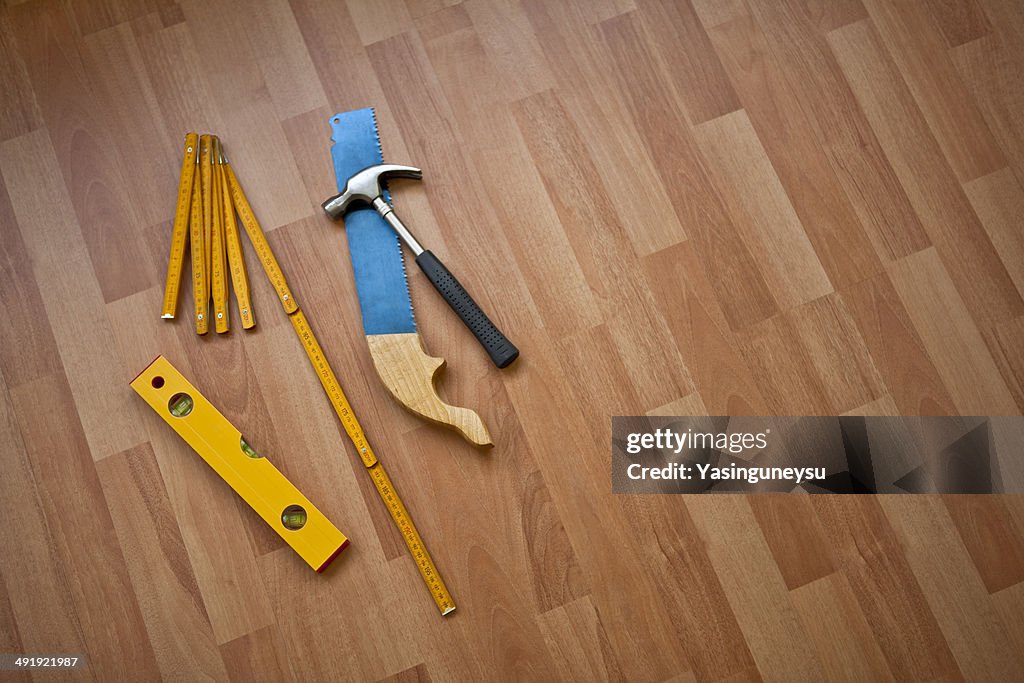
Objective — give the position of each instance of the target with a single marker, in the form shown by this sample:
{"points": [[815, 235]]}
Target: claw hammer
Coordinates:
{"points": [[365, 186]]}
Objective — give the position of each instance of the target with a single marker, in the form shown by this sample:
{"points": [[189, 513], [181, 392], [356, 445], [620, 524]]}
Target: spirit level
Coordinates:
{"points": [[252, 476], [179, 238]]}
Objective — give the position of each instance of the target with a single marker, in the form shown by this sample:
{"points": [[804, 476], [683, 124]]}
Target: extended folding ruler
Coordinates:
{"points": [[316, 356]]}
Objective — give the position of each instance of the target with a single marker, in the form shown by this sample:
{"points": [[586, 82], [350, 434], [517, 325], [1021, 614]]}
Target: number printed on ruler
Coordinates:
{"points": [[179, 235], [259, 241]]}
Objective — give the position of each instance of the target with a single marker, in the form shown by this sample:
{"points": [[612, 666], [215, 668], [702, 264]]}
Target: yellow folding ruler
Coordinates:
{"points": [[252, 476], [332, 387], [205, 217], [179, 238], [214, 233]]}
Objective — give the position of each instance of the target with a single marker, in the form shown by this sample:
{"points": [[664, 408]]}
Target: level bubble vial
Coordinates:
{"points": [[180, 405], [293, 517]]}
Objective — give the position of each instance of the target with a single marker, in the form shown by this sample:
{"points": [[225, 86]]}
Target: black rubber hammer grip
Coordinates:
{"points": [[497, 345]]}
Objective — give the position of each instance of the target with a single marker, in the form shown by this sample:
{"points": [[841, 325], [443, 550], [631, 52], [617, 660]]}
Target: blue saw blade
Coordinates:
{"points": [[373, 246]]}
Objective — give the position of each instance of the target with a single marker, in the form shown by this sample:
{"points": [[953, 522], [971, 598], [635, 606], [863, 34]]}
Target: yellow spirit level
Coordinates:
{"points": [[252, 476]]}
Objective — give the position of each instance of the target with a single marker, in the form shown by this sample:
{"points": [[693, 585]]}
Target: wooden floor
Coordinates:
{"points": [[720, 206]]}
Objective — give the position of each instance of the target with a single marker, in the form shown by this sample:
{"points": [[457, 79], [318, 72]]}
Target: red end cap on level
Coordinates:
{"points": [[331, 558]]}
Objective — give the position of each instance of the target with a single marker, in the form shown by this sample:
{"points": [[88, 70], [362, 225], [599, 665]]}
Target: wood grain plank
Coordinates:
{"points": [[837, 176], [742, 293], [866, 549], [27, 347], [837, 352], [178, 78], [131, 111], [701, 332], [1008, 353], [36, 582], [937, 197], [576, 636], [243, 113], [801, 163], [896, 348], [85, 148], [83, 540], [257, 656], [960, 21], [827, 15], [91, 17], [952, 340], [840, 634], [379, 21], [691, 404], [762, 214], [10, 639], [511, 47], [714, 13], [417, 674], [579, 59], [793, 535], [995, 543], [20, 111], [337, 54], [646, 644], [511, 181], [501, 551], [1007, 604], [680, 557], [557, 578], [998, 200], [952, 587], [678, 37], [283, 58], [951, 114], [782, 368], [754, 587], [72, 298], [988, 68], [652, 363], [158, 566]]}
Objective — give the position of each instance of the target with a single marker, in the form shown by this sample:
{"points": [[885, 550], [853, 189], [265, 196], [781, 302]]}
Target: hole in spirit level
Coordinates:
{"points": [[158, 382], [293, 517]]}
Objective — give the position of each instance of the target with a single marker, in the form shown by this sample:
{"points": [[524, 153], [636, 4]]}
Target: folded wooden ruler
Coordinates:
{"points": [[205, 216], [209, 197]]}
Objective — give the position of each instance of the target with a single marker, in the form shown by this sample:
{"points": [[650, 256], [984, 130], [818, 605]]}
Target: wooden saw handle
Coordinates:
{"points": [[409, 374]]}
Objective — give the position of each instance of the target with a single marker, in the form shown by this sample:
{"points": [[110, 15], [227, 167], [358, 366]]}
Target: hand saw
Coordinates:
{"points": [[406, 369]]}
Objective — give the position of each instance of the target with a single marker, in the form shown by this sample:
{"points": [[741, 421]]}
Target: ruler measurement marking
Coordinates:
{"points": [[336, 395], [199, 285], [179, 235]]}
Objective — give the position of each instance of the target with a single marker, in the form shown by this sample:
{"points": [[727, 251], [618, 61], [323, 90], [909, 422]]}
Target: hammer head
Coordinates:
{"points": [[365, 186]]}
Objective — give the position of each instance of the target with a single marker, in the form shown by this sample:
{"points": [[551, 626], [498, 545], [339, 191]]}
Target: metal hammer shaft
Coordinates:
{"points": [[497, 345]]}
